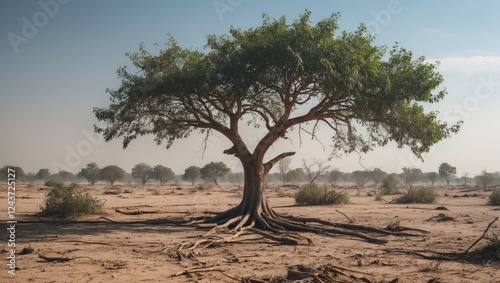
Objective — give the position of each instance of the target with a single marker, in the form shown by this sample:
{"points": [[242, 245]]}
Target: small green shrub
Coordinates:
{"points": [[312, 194], [495, 197], [418, 195], [62, 202], [53, 183], [389, 184]]}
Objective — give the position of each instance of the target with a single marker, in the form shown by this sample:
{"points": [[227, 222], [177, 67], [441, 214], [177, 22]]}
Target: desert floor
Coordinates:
{"points": [[112, 252]]}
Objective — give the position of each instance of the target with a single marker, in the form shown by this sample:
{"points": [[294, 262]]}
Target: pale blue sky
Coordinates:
{"points": [[52, 76]]}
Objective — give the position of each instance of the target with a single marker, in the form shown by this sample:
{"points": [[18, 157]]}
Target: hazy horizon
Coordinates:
{"points": [[56, 64]]}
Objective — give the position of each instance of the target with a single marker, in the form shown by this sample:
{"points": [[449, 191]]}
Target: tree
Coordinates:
{"points": [[295, 176], [312, 174], [410, 175], [485, 179], [432, 176], [447, 172], [334, 176], [377, 175], [191, 173], [143, 172], [361, 177], [283, 165], [65, 175], [112, 173], [163, 174], [4, 172], [214, 170], [43, 174], [465, 179], [91, 173], [279, 76]]}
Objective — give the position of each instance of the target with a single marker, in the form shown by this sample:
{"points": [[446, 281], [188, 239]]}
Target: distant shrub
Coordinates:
{"points": [[53, 183], [495, 197], [204, 186], [378, 197], [389, 184], [418, 195], [62, 202], [312, 194]]}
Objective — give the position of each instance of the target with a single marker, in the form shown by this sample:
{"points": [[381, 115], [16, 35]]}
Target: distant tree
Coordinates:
{"points": [[163, 174], [432, 176], [361, 177], [377, 175], [19, 173], [284, 166], [43, 174], [112, 173], [191, 173], [485, 179], [91, 173], [411, 175], [334, 176], [295, 176], [214, 170], [65, 175], [314, 170], [143, 172], [447, 172], [465, 179]]}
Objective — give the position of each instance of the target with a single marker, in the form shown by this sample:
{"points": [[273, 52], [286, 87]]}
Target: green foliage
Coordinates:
{"points": [[91, 173], [295, 176], [249, 73], [389, 184], [63, 202], [447, 172], [214, 170], [163, 174], [53, 183], [494, 198], [418, 195], [112, 173], [18, 172], [312, 194], [191, 173], [377, 175], [143, 172], [361, 177]]}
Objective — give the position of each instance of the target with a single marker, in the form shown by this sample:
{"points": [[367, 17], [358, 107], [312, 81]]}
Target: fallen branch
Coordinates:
{"points": [[137, 212], [59, 259], [482, 236]]}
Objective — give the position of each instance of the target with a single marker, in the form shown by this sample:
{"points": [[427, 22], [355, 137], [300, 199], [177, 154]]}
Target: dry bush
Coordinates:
{"points": [[53, 183], [63, 202], [312, 194], [418, 195], [495, 197]]}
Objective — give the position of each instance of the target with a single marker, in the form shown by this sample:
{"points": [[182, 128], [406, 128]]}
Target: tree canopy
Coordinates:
{"points": [[191, 173], [214, 170], [163, 174], [111, 173], [91, 173], [143, 172]]}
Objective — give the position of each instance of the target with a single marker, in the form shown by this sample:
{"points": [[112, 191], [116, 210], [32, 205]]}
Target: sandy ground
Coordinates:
{"points": [[108, 252]]}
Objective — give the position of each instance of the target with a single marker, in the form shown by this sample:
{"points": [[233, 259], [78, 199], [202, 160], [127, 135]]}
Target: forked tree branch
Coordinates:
{"points": [[269, 165]]}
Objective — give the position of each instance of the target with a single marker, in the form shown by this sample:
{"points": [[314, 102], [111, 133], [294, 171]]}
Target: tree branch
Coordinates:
{"points": [[269, 165]]}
